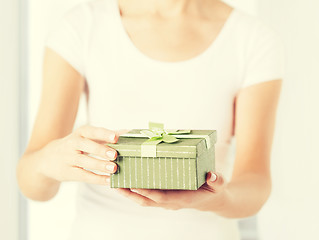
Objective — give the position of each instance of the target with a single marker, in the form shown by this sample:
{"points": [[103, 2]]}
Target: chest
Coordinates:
{"points": [[129, 88], [171, 40]]}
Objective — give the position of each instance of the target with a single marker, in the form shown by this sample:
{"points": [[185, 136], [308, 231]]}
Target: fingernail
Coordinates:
{"points": [[110, 167], [213, 177], [112, 137], [110, 154]]}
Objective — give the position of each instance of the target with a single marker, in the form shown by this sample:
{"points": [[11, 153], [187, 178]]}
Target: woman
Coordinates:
{"points": [[191, 64]]}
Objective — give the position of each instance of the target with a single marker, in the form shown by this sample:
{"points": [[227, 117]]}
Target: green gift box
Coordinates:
{"points": [[181, 164]]}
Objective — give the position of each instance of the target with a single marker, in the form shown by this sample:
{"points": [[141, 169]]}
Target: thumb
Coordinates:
{"points": [[215, 181], [122, 131]]}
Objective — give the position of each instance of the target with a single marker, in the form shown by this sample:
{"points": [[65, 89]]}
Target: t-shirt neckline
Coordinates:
{"points": [[195, 58]]}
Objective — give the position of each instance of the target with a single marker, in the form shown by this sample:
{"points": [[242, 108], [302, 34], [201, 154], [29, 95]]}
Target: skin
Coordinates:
{"points": [[173, 30]]}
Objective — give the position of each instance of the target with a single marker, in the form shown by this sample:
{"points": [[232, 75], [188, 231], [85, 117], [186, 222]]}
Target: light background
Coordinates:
{"points": [[291, 212], [61, 210], [294, 157], [9, 57]]}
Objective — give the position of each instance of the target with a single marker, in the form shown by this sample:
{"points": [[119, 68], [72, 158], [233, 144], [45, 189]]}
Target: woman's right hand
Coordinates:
{"points": [[67, 159]]}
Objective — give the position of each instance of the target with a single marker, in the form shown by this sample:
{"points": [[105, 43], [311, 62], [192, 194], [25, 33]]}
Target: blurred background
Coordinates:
{"points": [[292, 210]]}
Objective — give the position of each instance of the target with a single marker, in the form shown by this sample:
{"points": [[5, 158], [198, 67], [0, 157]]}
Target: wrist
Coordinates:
{"points": [[33, 184], [223, 202], [41, 165], [217, 202], [38, 184]]}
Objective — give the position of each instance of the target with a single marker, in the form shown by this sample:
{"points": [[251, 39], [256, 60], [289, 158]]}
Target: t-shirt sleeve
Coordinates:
{"points": [[265, 57], [66, 37]]}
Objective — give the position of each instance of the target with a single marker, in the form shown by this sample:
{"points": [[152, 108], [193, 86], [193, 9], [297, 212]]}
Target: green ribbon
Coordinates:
{"points": [[157, 134]]}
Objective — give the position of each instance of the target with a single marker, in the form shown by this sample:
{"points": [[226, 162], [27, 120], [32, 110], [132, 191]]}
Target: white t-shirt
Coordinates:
{"points": [[128, 89]]}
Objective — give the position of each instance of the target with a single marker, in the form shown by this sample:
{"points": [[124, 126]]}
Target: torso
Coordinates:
{"points": [[149, 77]]}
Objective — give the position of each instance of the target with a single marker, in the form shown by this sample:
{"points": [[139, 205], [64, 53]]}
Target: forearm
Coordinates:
{"points": [[32, 182], [244, 196]]}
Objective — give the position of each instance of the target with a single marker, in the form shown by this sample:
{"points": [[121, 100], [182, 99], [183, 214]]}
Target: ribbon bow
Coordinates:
{"points": [[156, 133]]}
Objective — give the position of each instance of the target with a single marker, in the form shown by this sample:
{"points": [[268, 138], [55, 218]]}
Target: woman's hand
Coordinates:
{"points": [[68, 158], [209, 197]]}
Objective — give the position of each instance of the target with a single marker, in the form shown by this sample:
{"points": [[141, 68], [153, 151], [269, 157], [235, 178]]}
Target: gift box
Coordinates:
{"points": [[160, 159]]}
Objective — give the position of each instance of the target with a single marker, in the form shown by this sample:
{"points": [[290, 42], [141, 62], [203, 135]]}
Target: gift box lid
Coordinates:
{"points": [[184, 148]]}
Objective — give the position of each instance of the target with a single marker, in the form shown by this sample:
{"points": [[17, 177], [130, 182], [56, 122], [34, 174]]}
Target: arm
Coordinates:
{"points": [[52, 155], [250, 185], [61, 90]]}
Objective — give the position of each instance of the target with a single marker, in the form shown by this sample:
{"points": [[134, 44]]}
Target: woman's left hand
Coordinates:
{"points": [[209, 197]]}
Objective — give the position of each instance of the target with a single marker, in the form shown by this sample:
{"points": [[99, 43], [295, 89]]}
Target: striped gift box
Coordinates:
{"points": [[180, 165]]}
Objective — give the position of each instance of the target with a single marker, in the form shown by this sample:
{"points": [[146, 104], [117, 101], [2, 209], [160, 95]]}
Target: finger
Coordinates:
{"points": [[82, 175], [122, 131], [158, 196], [214, 181], [169, 197], [142, 200], [91, 147], [91, 163], [139, 199], [98, 134]]}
